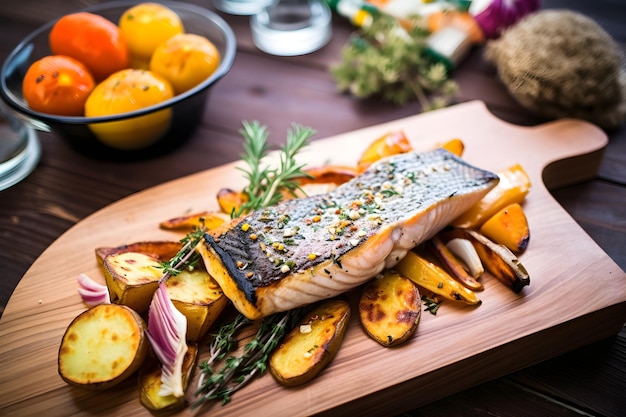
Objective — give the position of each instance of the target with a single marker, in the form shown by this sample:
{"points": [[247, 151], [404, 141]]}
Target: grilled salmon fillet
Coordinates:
{"points": [[313, 248]]}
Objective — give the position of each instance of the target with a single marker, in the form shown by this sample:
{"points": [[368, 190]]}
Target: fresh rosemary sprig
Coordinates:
{"points": [[267, 185], [389, 61], [237, 371]]}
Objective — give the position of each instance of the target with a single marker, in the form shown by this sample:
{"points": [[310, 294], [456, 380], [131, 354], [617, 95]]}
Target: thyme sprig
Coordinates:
{"points": [[266, 185], [186, 257], [237, 371], [431, 304]]}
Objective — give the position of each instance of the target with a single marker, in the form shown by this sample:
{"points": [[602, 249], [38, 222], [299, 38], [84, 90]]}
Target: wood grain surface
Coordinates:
{"points": [[507, 332], [67, 187]]}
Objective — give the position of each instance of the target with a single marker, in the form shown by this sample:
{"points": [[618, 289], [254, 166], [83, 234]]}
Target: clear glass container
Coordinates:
{"points": [[292, 27], [19, 148], [241, 7]]}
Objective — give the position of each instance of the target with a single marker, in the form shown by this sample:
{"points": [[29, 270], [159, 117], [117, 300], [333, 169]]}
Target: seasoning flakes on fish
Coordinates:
{"points": [[313, 248]]}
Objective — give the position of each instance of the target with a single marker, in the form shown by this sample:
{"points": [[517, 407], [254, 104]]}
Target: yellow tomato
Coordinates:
{"points": [[126, 91], [147, 25], [185, 60]]}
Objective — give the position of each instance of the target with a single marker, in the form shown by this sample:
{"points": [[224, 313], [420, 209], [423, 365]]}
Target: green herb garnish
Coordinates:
{"points": [[387, 60], [431, 304], [266, 185], [237, 371]]}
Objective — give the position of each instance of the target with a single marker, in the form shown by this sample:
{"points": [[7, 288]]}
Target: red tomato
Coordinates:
{"points": [[91, 39], [58, 85]]}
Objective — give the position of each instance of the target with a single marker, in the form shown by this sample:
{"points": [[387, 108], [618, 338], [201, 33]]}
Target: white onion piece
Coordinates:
{"points": [[464, 250], [91, 292], [167, 332], [494, 16]]}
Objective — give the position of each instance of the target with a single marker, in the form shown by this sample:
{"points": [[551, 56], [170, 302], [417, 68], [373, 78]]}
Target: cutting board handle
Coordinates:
{"points": [[557, 153]]}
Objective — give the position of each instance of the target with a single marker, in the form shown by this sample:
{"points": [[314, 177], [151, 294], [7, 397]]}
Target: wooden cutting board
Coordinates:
{"points": [[577, 293]]}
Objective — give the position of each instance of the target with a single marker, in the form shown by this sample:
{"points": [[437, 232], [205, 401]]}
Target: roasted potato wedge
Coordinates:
{"points": [[161, 250], [500, 262], [390, 308], [513, 187], [199, 297], [335, 174], [508, 227], [208, 219], [312, 344], [150, 382], [322, 179], [102, 347], [132, 278], [453, 264], [433, 278], [230, 200]]}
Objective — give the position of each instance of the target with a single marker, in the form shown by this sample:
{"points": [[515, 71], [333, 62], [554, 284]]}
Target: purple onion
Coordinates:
{"points": [[494, 16]]}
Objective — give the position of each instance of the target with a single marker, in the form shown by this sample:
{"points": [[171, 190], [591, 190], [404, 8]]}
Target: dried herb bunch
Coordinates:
{"points": [[388, 60]]}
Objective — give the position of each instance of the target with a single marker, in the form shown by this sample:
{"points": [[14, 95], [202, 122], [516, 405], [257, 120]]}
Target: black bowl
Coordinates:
{"points": [[186, 109]]}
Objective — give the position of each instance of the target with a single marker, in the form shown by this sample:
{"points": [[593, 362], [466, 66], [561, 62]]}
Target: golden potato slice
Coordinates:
{"points": [[312, 344], [198, 296], [390, 308], [150, 383], [132, 278], [102, 347]]}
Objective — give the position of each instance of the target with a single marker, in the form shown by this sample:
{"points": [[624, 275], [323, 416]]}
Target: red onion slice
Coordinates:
{"points": [[494, 16], [91, 292], [167, 331]]}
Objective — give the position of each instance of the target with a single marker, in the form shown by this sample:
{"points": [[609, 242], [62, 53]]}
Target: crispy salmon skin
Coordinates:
{"points": [[313, 248]]}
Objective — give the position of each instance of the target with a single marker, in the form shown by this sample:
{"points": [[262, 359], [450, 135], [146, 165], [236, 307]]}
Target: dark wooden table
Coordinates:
{"points": [[66, 187]]}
